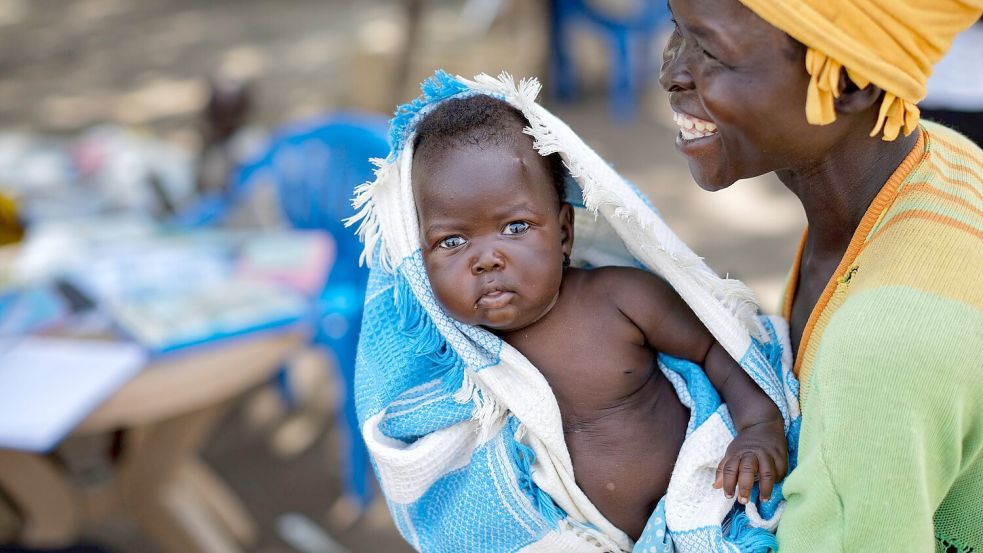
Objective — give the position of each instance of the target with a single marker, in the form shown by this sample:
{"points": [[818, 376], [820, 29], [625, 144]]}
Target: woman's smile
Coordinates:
{"points": [[692, 128], [695, 134]]}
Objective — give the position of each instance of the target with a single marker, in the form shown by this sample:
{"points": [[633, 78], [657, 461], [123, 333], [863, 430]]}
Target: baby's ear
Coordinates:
{"points": [[566, 227]]}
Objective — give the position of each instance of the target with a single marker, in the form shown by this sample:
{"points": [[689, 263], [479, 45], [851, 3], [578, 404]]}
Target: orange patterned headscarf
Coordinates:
{"points": [[890, 43]]}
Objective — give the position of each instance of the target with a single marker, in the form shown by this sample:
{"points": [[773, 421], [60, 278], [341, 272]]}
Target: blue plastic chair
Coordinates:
{"points": [[630, 39], [315, 166]]}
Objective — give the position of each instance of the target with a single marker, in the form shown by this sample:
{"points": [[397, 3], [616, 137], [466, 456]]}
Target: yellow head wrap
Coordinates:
{"points": [[10, 227], [891, 43]]}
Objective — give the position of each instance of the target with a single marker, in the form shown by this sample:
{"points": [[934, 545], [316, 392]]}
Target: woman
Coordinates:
{"points": [[885, 301]]}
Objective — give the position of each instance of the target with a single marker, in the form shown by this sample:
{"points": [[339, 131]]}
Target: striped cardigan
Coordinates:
{"points": [[891, 364]]}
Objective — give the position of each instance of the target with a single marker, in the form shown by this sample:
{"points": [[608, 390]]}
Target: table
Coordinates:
{"points": [[167, 411]]}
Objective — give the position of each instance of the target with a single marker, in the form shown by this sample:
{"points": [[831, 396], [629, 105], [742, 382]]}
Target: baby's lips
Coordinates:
{"points": [[494, 300]]}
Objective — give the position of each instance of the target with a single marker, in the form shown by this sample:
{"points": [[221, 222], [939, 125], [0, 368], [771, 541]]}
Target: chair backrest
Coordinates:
{"points": [[645, 16], [315, 166]]}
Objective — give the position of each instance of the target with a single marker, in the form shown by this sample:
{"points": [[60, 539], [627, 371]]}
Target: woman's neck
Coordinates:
{"points": [[837, 190]]}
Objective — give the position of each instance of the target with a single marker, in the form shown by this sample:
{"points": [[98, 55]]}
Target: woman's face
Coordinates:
{"points": [[738, 87]]}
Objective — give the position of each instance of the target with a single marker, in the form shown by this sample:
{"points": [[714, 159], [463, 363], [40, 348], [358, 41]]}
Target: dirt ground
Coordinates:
{"points": [[68, 64]]}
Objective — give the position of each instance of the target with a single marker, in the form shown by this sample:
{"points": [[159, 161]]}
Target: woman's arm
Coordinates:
{"points": [[891, 413]]}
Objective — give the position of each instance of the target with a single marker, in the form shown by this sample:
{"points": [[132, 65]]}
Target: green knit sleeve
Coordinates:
{"points": [[884, 434]]}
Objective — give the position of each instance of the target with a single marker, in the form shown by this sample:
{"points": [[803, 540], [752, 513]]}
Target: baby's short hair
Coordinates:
{"points": [[475, 121]]}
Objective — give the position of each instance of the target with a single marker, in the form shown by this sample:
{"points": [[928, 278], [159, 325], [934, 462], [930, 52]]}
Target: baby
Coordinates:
{"points": [[496, 235]]}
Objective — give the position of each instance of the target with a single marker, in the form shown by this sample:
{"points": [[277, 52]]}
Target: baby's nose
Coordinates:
{"points": [[488, 260]]}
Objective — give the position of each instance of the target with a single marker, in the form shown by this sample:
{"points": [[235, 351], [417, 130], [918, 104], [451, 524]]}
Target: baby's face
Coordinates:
{"points": [[493, 234]]}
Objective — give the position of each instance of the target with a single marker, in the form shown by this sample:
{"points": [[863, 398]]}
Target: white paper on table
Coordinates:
{"points": [[49, 385]]}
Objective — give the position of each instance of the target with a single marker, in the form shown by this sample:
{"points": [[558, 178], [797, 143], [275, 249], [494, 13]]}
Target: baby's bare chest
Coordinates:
{"points": [[605, 378], [622, 421], [592, 358]]}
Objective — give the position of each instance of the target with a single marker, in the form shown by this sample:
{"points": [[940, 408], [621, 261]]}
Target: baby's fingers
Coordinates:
{"points": [[781, 465], [766, 476], [745, 479], [727, 475]]}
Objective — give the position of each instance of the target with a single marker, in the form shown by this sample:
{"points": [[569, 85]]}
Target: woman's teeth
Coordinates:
{"points": [[691, 127]]}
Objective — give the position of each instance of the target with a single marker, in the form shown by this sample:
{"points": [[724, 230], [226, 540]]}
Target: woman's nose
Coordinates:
{"points": [[674, 75], [489, 259]]}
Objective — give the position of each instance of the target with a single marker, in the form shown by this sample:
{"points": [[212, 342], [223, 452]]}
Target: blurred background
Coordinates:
{"points": [[179, 303]]}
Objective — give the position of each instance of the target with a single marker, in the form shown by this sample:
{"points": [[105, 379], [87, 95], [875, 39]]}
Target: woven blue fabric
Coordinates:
{"points": [[454, 460]]}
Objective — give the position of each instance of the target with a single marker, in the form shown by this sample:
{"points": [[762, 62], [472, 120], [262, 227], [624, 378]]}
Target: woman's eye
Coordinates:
{"points": [[451, 242], [708, 54], [517, 227]]}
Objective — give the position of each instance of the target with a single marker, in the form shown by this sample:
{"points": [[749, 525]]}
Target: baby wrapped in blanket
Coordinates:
{"points": [[512, 401]]}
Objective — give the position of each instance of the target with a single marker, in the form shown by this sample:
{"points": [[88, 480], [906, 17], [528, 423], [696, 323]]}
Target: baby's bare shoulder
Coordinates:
{"points": [[638, 294], [625, 282]]}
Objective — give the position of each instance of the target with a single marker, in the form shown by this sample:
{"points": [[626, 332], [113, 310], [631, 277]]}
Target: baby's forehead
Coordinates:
{"points": [[477, 139], [492, 172], [518, 154]]}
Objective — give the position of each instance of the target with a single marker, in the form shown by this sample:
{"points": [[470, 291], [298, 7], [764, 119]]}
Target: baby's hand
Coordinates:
{"points": [[758, 450]]}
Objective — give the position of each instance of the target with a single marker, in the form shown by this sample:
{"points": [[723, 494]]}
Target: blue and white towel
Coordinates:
{"points": [[465, 433]]}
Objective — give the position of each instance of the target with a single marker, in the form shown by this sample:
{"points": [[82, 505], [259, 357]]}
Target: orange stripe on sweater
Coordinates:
{"points": [[882, 201], [968, 158], [952, 181], [928, 188], [962, 184], [929, 216], [970, 170]]}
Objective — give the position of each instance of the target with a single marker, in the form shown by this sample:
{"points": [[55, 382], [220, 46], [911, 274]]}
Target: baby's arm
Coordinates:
{"points": [[671, 327], [760, 447]]}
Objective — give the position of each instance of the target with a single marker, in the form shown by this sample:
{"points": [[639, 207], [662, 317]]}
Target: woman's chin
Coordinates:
{"points": [[706, 160], [709, 181], [715, 187]]}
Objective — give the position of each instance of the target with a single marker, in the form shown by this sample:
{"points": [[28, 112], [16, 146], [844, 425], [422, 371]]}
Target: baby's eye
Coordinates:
{"points": [[516, 227], [451, 242]]}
